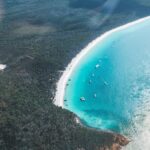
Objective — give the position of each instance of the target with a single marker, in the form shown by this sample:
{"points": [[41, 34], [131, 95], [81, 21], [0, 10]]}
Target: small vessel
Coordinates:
{"points": [[93, 74], [97, 66], [90, 81], [105, 83], [82, 98], [95, 95]]}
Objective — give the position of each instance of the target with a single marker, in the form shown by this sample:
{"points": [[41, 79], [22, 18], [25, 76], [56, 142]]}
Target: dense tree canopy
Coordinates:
{"points": [[37, 40]]}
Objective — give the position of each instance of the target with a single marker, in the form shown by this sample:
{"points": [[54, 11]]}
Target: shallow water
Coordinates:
{"points": [[114, 80]]}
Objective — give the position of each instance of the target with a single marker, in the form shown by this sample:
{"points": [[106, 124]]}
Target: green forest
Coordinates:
{"points": [[37, 40]]}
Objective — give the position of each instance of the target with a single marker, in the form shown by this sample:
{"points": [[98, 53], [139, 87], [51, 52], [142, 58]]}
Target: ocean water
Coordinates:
{"points": [[114, 81]]}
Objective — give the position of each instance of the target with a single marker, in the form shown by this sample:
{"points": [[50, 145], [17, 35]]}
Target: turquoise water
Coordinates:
{"points": [[114, 79]]}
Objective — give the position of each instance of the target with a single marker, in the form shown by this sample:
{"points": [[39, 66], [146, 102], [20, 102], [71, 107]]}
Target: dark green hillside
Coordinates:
{"points": [[38, 38]]}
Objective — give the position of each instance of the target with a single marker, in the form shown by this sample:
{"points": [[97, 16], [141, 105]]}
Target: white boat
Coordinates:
{"points": [[95, 95], [82, 98], [105, 83], [93, 74], [97, 66], [90, 81]]}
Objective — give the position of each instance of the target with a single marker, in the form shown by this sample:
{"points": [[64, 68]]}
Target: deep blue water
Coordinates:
{"points": [[117, 91]]}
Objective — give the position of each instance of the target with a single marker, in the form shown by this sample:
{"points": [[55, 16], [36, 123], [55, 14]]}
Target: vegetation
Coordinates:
{"points": [[28, 118]]}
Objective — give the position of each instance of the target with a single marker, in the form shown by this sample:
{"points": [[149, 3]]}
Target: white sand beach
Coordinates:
{"points": [[2, 67], [61, 85]]}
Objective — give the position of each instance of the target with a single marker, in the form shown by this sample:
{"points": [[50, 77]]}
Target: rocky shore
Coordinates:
{"points": [[118, 142]]}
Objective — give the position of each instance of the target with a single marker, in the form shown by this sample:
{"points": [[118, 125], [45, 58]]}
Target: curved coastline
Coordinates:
{"points": [[61, 84]]}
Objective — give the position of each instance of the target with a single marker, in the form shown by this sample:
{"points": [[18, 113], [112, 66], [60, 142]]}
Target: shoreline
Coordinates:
{"points": [[61, 84]]}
